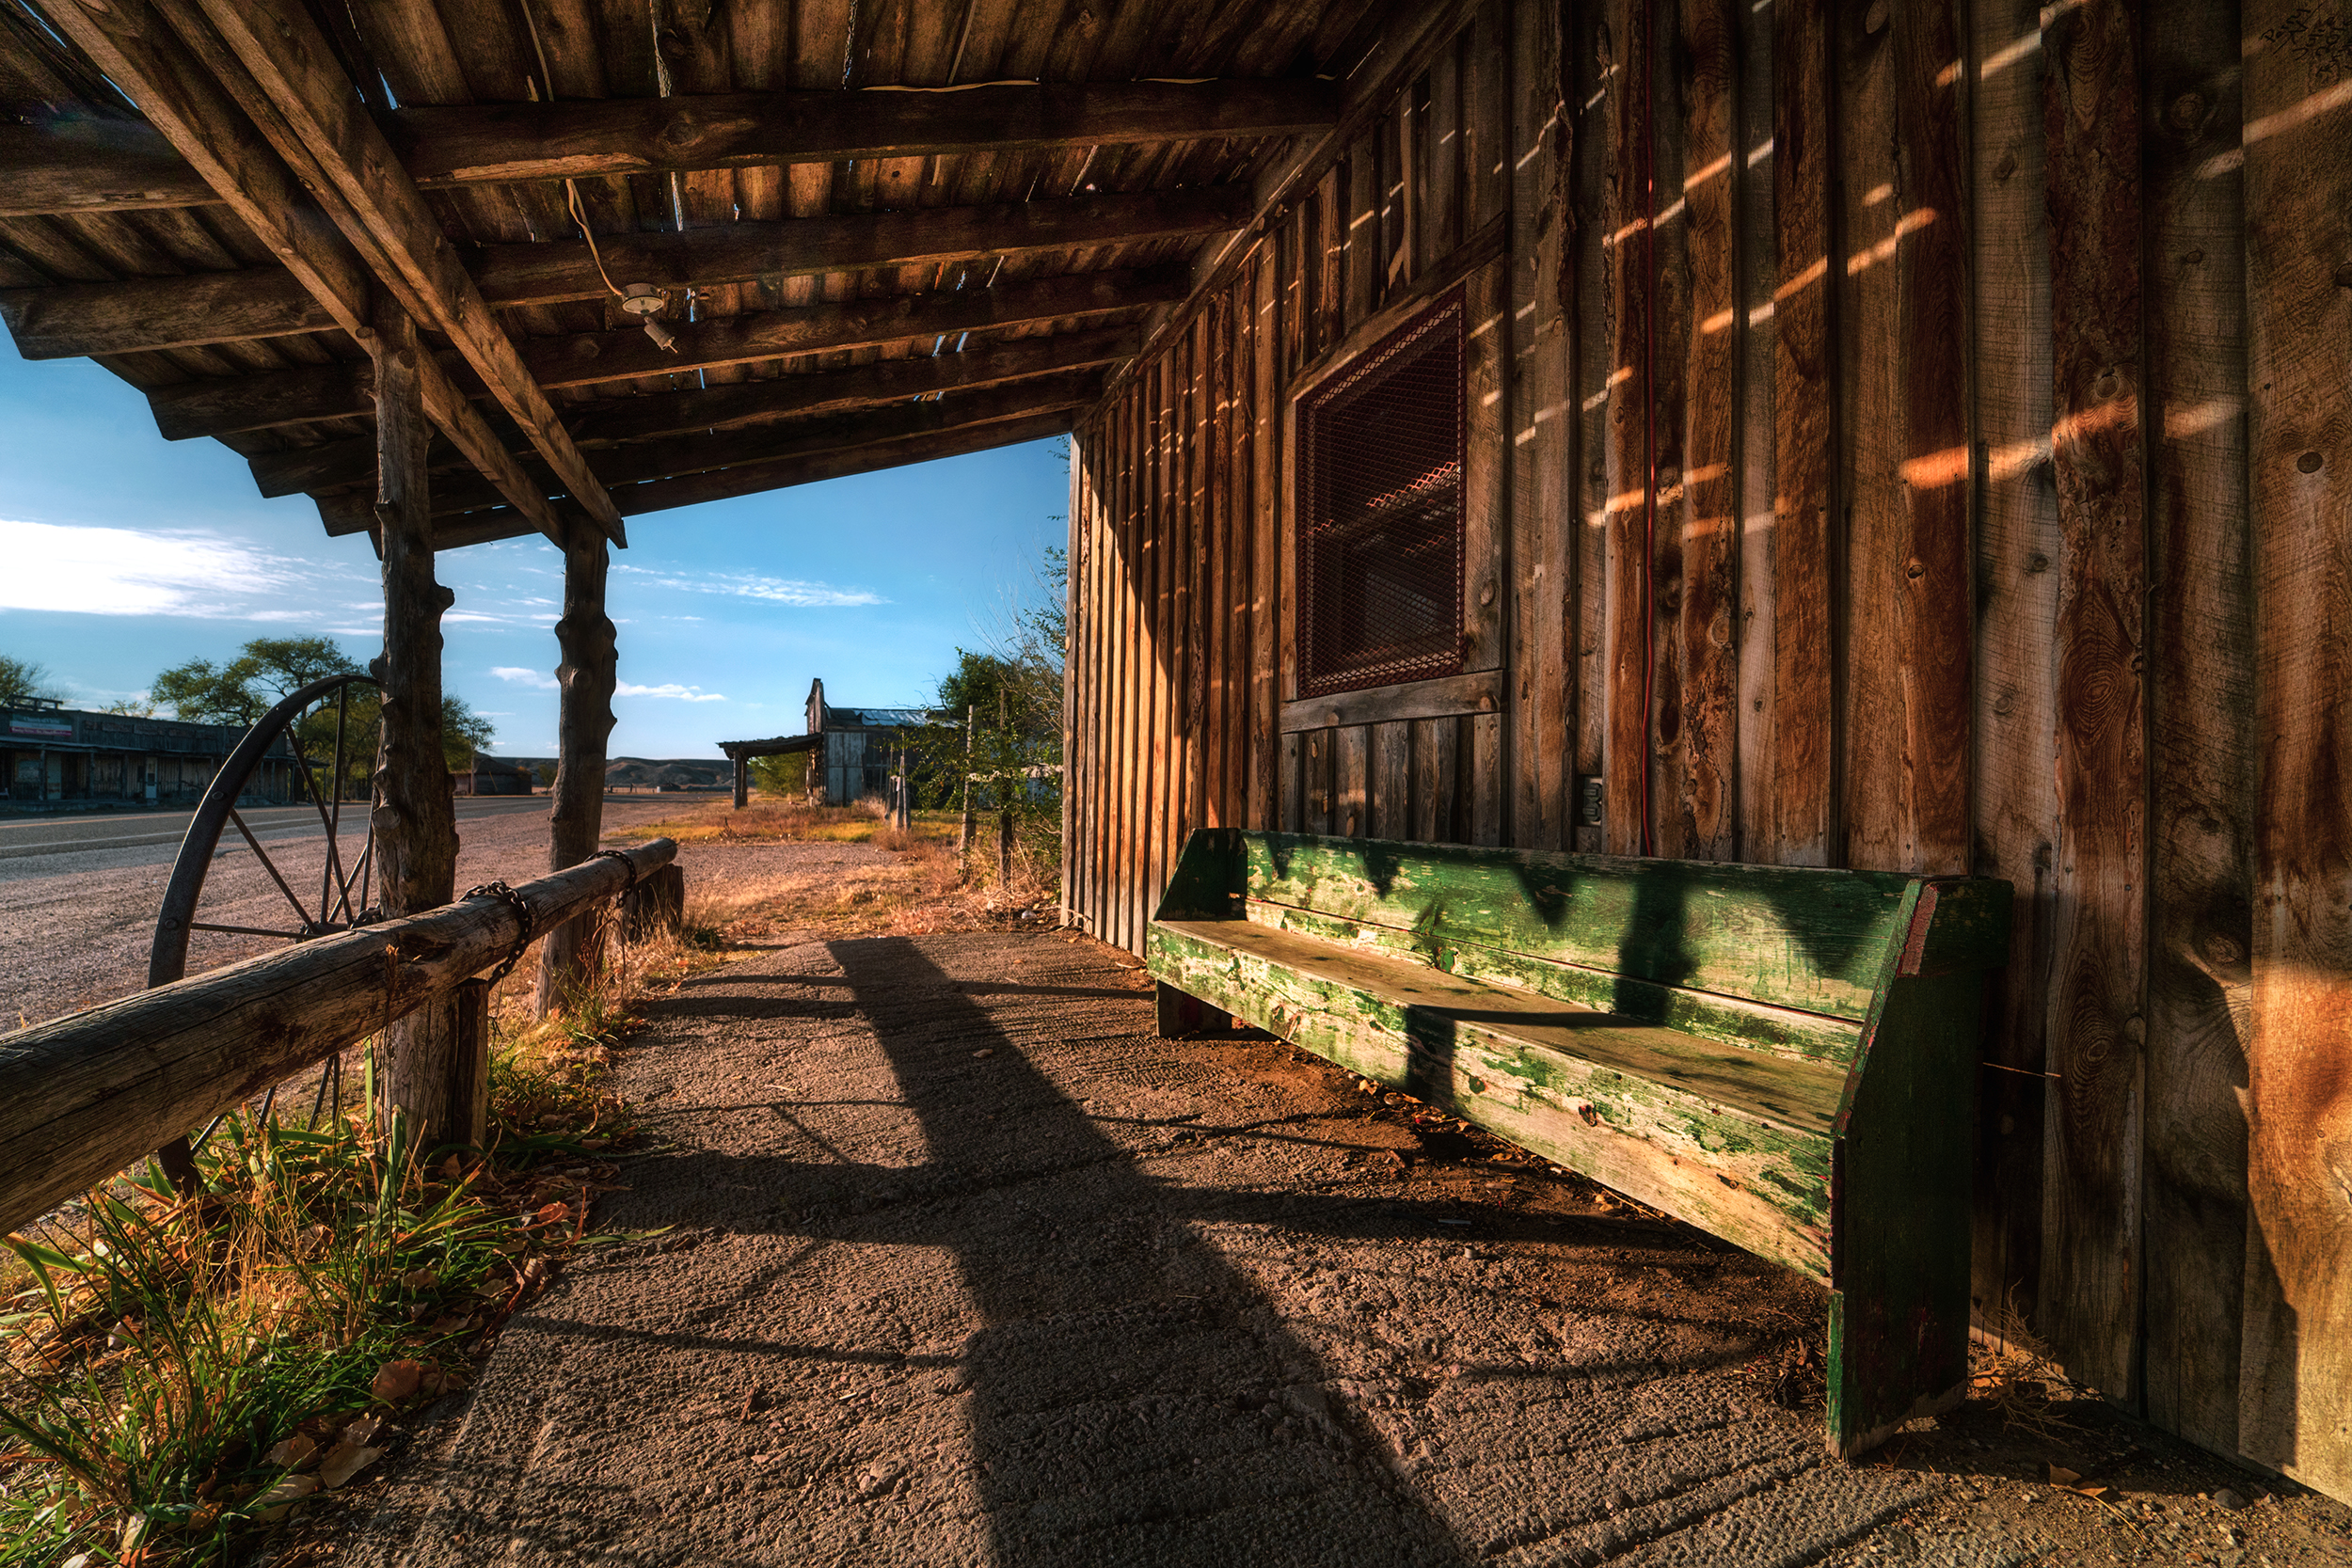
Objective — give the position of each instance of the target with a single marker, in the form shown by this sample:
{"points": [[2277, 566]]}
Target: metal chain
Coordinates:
{"points": [[627, 864], [522, 916]]}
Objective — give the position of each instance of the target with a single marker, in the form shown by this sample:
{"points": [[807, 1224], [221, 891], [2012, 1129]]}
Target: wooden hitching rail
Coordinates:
{"points": [[86, 1096]]}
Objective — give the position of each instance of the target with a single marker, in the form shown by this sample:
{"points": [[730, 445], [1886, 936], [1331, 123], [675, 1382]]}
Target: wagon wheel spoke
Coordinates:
{"points": [[335, 786], [271, 866], [243, 930], [366, 867], [349, 910], [331, 871]]}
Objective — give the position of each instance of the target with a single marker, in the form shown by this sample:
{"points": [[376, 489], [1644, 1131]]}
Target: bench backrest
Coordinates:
{"points": [[1783, 958]]}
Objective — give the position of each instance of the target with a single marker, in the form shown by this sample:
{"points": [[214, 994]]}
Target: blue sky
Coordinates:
{"points": [[122, 554]]}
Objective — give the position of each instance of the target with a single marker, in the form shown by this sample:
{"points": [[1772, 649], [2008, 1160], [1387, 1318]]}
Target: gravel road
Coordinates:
{"points": [[75, 925]]}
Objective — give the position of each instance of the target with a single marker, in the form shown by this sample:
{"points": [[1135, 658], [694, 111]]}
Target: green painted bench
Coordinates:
{"points": [[1785, 1058]]}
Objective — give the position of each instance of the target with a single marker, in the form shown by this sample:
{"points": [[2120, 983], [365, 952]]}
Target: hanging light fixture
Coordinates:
{"points": [[646, 303]]}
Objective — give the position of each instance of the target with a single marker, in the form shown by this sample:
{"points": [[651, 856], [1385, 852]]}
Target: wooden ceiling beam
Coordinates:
{"points": [[649, 136], [588, 359], [91, 165], [736, 405], [750, 479], [94, 165], [551, 274], [79, 320], [672, 456], [295, 91], [188, 107], [228, 405]]}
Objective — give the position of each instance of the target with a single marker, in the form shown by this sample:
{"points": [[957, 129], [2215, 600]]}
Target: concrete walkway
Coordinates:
{"points": [[971, 1268]]}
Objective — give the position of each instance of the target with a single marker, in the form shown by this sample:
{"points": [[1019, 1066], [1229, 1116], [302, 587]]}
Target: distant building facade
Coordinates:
{"points": [[491, 775], [53, 755], [856, 748]]}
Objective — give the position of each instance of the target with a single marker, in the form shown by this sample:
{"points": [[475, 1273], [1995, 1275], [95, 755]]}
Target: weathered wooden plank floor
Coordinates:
{"points": [[972, 1269]]}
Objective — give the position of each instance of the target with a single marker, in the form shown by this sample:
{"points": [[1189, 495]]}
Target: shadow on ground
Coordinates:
{"points": [[959, 1264]]}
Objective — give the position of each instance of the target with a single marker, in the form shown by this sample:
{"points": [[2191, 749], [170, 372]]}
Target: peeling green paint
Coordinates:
{"points": [[1783, 1056]]}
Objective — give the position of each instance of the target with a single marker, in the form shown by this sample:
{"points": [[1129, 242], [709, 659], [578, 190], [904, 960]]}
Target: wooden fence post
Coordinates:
{"points": [[963, 837], [742, 782], [655, 905], [469, 1067], [568, 957], [415, 815]]}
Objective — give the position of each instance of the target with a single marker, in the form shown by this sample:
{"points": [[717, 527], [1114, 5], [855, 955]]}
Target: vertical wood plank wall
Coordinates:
{"points": [[1902, 438]]}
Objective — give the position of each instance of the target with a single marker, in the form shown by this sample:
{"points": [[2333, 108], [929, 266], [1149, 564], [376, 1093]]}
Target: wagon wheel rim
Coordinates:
{"points": [[341, 896]]}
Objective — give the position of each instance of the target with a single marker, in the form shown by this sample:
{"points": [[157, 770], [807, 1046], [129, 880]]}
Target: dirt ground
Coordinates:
{"points": [[947, 1259]]}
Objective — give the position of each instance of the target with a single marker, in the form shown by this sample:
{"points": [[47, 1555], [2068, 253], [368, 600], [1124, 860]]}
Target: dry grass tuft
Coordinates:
{"points": [[773, 821], [181, 1379], [2011, 1372]]}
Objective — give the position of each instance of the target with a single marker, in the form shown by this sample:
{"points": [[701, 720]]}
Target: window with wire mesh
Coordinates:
{"points": [[1380, 512]]}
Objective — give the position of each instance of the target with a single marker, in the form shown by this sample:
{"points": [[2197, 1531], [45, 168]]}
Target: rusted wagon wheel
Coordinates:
{"points": [[338, 903]]}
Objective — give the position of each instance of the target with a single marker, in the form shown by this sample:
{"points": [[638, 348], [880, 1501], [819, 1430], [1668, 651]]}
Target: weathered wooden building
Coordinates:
{"points": [[856, 750], [1873, 433], [51, 754], [1898, 436]]}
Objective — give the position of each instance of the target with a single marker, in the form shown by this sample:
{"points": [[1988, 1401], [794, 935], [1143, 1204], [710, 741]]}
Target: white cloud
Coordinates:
{"points": [[125, 570], [521, 677], [682, 693], [795, 591]]}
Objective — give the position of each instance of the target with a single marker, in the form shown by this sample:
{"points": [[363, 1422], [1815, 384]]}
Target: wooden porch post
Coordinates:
{"points": [[586, 675], [415, 817], [742, 782]]}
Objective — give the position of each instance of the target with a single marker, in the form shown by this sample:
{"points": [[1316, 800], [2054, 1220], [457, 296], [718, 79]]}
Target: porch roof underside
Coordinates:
{"points": [[858, 275], [783, 745]]}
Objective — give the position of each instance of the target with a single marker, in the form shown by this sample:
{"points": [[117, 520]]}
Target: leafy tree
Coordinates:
{"points": [[238, 692], [464, 732], [269, 669], [141, 706], [21, 678], [786, 776], [1012, 695]]}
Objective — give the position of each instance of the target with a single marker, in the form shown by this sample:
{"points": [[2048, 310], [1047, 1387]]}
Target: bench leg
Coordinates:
{"points": [[1182, 1014], [1898, 1308]]}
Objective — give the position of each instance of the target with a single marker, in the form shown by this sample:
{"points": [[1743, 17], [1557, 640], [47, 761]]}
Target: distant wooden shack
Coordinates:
{"points": [[852, 751], [491, 775]]}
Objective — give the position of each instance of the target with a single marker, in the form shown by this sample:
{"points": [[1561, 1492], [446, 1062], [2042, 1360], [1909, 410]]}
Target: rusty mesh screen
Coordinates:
{"points": [[1380, 512]]}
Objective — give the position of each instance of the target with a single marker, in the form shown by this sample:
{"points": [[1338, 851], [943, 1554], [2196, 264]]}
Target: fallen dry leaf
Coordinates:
{"points": [[2059, 1474], [360, 1434], [396, 1380], [291, 1452], [271, 1505], [418, 1280], [452, 1167], [439, 1381], [344, 1460]]}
